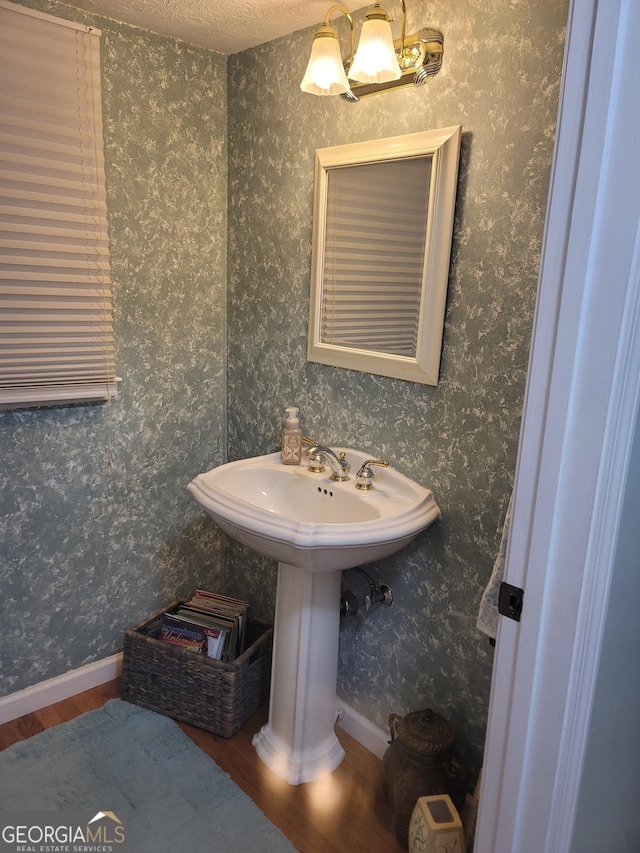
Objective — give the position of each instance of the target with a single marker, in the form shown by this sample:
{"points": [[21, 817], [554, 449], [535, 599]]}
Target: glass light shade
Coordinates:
{"points": [[375, 60], [325, 71]]}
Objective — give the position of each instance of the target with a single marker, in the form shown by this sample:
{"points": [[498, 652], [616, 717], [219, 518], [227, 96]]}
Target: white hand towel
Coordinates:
{"points": [[488, 615]]}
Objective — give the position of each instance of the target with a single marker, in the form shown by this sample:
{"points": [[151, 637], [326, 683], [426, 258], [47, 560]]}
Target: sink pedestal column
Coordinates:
{"points": [[299, 743]]}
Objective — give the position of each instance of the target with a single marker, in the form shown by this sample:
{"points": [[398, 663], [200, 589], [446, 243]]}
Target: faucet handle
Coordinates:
{"points": [[364, 477], [316, 462]]}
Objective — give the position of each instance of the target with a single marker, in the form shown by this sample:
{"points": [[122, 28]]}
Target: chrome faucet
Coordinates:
{"points": [[318, 454]]}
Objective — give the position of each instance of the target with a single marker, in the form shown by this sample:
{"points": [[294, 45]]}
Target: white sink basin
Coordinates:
{"points": [[309, 521]]}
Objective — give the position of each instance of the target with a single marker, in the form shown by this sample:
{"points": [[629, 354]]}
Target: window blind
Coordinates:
{"points": [[56, 325], [375, 229]]}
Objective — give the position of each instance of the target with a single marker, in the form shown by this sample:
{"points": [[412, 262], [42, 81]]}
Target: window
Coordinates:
{"points": [[56, 326]]}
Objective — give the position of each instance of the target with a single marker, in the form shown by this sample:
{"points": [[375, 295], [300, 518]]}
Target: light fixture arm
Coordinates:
{"points": [[404, 27], [338, 8]]}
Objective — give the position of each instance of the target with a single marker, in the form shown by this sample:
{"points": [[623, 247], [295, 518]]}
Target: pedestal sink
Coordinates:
{"points": [[314, 527]]}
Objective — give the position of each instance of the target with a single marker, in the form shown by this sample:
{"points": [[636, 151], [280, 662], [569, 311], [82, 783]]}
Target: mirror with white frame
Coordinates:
{"points": [[382, 230]]}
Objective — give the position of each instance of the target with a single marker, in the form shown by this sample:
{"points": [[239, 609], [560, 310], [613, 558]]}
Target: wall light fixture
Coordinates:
{"points": [[379, 64]]}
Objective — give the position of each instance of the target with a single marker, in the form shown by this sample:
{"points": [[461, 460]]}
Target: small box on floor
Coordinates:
{"points": [[435, 826]]}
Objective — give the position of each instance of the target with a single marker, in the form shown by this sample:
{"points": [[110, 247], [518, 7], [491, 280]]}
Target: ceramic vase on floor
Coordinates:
{"points": [[419, 763]]}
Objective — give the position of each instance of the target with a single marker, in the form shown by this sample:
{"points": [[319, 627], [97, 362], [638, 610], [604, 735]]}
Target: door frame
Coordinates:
{"points": [[579, 419]]}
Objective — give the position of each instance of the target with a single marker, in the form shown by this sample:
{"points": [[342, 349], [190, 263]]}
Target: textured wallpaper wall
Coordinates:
{"points": [[460, 438], [96, 528]]}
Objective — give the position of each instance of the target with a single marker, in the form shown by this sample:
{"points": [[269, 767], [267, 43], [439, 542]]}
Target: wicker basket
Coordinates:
{"points": [[195, 689]]}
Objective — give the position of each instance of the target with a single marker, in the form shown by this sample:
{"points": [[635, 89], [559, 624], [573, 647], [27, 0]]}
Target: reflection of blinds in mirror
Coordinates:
{"points": [[374, 255]]}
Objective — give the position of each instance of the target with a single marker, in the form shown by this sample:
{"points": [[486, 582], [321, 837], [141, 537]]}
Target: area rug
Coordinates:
{"points": [[144, 786]]}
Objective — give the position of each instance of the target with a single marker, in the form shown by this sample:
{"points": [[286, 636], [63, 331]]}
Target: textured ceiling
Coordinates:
{"points": [[226, 26]]}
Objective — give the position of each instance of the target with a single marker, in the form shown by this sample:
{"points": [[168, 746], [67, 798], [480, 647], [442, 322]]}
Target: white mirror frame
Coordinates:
{"points": [[443, 146]]}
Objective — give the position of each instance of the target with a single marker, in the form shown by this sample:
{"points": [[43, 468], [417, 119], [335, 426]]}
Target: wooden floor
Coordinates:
{"points": [[346, 813]]}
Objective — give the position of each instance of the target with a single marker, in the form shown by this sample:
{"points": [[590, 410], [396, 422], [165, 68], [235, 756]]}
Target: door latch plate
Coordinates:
{"points": [[510, 601]]}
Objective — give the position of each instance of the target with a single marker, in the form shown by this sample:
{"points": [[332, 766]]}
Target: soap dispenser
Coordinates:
{"points": [[291, 438]]}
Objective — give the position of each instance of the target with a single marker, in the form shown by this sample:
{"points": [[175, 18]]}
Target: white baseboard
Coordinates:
{"points": [[371, 737], [56, 689], [93, 674]]}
